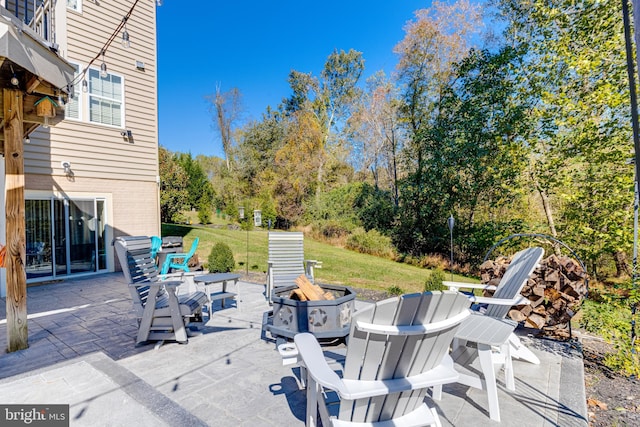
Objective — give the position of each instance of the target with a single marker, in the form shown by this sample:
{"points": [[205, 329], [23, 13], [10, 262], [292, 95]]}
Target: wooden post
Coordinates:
{"points": [[17, 333]]}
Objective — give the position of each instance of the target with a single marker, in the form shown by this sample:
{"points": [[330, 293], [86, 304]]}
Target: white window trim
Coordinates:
{"points": [[80, 98], [122, 105], [79, 9]]}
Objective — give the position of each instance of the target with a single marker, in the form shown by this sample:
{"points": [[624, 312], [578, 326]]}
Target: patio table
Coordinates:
{"points": [[208, 280]]}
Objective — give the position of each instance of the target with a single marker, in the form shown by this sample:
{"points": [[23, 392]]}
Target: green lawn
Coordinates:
{"points": [[339, 266]]}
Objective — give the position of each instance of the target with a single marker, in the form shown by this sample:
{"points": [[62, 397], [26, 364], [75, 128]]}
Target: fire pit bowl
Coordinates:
{"points": [[324, 319]]}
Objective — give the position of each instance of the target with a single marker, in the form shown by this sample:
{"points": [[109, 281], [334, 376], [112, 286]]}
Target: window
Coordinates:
{"points": [[105, 99], [74, 106], [75, 5]]}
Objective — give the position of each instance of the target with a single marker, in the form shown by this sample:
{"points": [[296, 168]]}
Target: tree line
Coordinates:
{"points": [[522, 131]]}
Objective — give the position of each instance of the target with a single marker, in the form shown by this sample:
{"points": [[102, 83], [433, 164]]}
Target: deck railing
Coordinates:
{"points": [[37, 14]]}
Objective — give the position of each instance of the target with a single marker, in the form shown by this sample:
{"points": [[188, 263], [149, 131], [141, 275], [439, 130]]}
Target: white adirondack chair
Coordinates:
{"points": [[507, 294], [162, 314], [397, 349], [489, 337], [286, 260]]}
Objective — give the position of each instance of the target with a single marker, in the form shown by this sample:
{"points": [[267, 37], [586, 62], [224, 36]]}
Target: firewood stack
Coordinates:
{"points": [[307, 291], [556, 289]]}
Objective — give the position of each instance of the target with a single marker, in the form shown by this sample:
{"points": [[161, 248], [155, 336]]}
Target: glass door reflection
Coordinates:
{"points": [[38, 238], [82, 236]]}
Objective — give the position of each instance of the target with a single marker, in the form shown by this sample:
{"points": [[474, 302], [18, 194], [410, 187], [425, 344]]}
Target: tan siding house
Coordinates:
{"points": [[94, 176]]}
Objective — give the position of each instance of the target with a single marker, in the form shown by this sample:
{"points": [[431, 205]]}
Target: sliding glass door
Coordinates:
{"points": [[59, 236], [76, 229], [38, 232]]}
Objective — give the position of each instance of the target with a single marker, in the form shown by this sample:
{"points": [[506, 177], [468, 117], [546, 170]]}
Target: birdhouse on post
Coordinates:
{"points": [[46, 107]]}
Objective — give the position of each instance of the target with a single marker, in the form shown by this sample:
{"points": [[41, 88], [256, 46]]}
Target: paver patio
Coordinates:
{"points": [[81, 352]]}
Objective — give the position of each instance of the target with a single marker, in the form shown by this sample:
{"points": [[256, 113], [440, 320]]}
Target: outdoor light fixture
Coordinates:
{"points": [[66, 167], [103, 68], [125, 38], [127, 134], [85, 86], [14, 79]]}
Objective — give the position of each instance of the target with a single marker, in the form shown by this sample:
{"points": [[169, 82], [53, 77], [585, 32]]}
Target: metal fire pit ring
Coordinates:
{"points": [[325, 319]]}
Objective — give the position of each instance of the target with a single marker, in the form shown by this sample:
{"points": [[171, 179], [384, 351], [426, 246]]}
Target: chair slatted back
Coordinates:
{"points": [[192, 251], [156, 245], [379, 356], [514, 279], [134, 254], [286, 255]]}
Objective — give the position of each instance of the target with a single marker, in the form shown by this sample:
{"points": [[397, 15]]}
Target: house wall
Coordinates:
{"points": [[102, 161], [128, 210]]}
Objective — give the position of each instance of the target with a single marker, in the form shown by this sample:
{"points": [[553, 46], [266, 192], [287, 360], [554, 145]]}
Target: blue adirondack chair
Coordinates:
{"points": [[156, 244], [179, 261]]}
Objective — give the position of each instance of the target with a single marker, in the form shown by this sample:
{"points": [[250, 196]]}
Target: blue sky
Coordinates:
{"points": [[253, 45]]}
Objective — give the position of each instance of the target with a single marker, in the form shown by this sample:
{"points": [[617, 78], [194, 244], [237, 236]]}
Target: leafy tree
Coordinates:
{"points": [[198, 185], [574, 69], [377, 133], [474, 159], [174, 194], [225, 185], [296, 164], [482, 126], [329, 98], [226, 109], [375, 209], [437, 39], [356, 204], [258, 145]]}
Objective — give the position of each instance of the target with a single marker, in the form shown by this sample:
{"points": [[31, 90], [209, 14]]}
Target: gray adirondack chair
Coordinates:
{"points": [[397, 349], [507, 294], [162, 313], [286, 260]]}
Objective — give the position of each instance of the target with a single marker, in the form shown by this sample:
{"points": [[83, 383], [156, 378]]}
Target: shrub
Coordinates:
{"points": [[374, 208], [370, 242], [331, 230], [204, 216], [395, 290], [221, 259], [435, 261], [612, 321], [179, 218], [434, 281]]}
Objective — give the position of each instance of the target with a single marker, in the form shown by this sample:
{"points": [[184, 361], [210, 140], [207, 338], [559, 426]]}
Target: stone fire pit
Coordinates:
{"points": [[324, 319]]}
